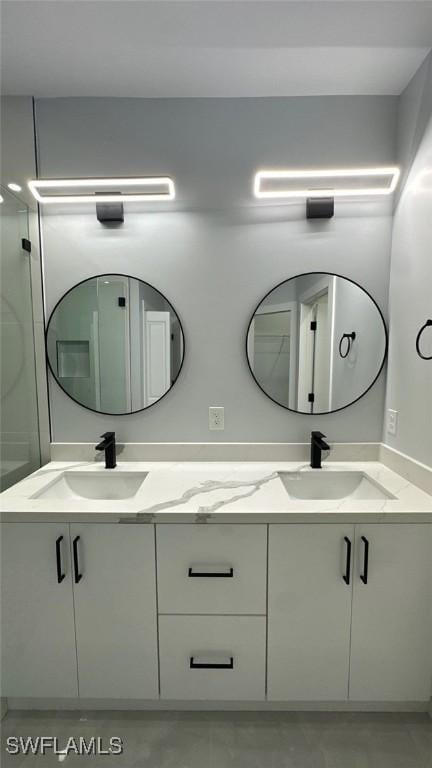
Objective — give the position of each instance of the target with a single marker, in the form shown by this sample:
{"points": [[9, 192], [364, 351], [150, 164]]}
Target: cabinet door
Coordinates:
{"points": [[391, 644], [38, 638], [309, 612], [115, 610]]}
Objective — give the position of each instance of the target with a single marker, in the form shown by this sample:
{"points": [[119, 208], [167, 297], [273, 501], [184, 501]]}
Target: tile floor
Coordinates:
{"points": [[231, 740]]}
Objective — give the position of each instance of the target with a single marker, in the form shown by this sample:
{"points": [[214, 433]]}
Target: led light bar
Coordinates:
{"points": [[148, 189], [341, 182]]}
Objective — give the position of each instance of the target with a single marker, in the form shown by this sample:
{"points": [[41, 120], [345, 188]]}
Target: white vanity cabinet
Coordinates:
{"points": [[312, 612], [391, 644], [115, 610], [342, 627], [212, 597], [37, 618], [309, 611], [79, 611]]}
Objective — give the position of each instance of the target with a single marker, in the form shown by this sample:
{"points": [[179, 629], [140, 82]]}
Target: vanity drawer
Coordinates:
{"points": [[212, 568], [212, 657]]}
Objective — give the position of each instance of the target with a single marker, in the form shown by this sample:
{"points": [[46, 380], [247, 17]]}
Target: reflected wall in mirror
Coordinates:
{"points": [[316, 343], [114, 344]]}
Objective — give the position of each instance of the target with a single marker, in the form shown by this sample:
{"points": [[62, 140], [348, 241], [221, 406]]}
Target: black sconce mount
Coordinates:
{"points": [[110, 212], [319, 207]]}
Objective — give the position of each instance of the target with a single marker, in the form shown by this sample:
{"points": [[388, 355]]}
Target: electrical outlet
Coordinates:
{"points": [[216, 417], [392, 421]]}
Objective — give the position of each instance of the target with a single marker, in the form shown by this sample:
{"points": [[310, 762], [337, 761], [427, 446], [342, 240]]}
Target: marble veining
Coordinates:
{"points": [[211, 492], [209, 486]]}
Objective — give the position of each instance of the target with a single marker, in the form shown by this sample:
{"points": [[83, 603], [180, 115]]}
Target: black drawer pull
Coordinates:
{"points": [[347, 574], [227, 574], [78, 575], [60, 573], [365, 574], [209, 665]]}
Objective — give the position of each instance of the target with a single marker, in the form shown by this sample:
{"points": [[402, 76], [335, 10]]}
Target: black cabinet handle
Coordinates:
{"points": [[78, 575], [208, 665], [347, 574], [226, 574], [60, 574], [364, 575]]}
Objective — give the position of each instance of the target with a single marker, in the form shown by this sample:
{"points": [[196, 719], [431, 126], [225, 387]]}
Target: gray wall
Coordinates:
{"points": [[215, 251], [17, 143], [409, 388]]}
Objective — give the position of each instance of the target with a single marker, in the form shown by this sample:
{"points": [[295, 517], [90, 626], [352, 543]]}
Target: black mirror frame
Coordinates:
{"points": [[93, 410], [335, 410]]}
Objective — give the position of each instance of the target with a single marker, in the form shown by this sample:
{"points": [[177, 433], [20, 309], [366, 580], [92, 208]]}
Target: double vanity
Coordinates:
{"points": [[260, 585]]}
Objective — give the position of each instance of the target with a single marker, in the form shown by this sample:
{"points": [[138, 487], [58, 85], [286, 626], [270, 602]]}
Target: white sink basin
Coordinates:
{"points": [[324, 485], [105, 485]]}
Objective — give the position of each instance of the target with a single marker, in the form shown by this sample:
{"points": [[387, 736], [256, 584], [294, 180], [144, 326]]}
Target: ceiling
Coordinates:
{"points": [[211, 48]]}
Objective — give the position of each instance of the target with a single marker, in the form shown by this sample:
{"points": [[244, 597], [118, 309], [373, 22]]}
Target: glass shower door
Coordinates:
{"points": [[19, 426]]}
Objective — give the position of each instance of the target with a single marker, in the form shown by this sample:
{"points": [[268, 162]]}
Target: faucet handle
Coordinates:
{"points": [[317, 433]]}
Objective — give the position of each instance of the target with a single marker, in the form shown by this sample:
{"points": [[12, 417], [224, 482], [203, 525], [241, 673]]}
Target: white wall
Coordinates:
{"points": [[215, 252], [409, 388]]}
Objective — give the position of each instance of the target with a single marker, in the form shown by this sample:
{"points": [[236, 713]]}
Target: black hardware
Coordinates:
{"points": [[311, 397], [195, 665], [313, 325], [319, 207], [228, 574], [364, 575], [60, 574], [428, 324], [78, 575], [108, 445], [26, 244], [347, 573], [350, 338], [121, 301], [317, 446], [109, 212]]}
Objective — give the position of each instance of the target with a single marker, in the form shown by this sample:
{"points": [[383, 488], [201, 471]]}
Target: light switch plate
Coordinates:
{"points": [[216, 417], [392, 421]]}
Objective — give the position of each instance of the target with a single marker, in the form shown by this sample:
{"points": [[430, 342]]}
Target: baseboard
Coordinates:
{"points": [[412, 470], [3, 707], [215, 452], [122, 705]]}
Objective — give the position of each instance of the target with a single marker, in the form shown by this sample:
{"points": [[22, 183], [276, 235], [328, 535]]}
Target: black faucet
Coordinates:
{"points": [[317, 446], [108, 445]]}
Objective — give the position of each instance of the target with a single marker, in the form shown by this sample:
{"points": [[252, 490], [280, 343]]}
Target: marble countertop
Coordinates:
{"points": [[214, 492]]}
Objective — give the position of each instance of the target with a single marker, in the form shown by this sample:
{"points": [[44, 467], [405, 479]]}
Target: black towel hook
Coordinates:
{"points": [[427, 324], [350, 338]]}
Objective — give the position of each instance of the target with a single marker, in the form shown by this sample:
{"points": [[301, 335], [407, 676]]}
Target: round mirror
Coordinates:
{"points": [[114, 344], [316, 343]]}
